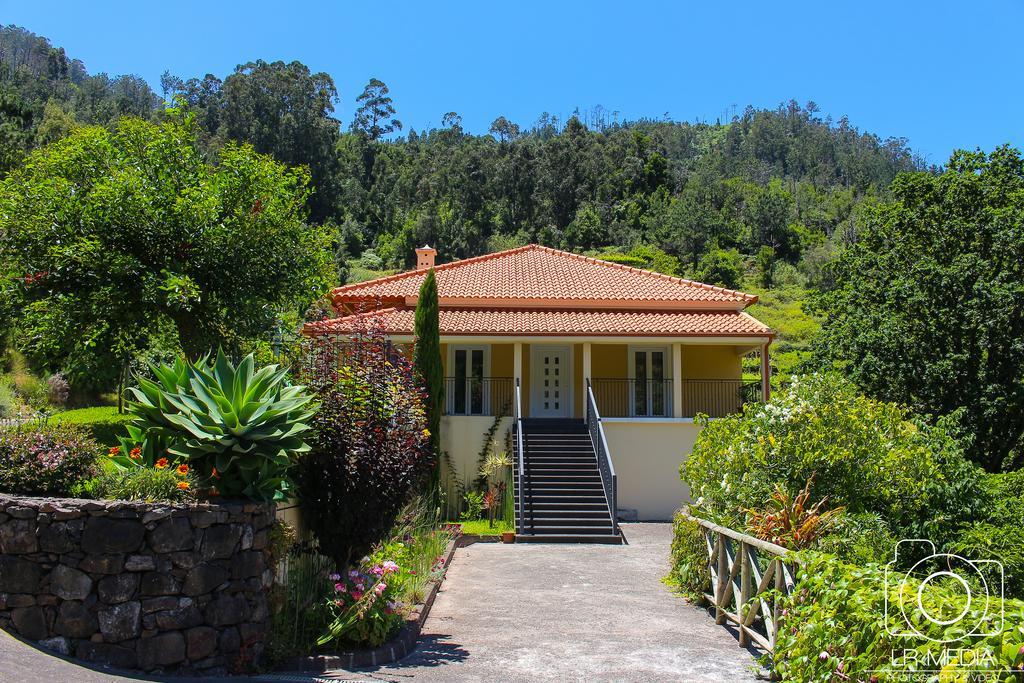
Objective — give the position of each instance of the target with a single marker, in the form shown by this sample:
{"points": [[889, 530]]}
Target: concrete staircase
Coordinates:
{"points": [[563, 496]]}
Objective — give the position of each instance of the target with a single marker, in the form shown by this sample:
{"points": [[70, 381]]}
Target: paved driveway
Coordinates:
{"points": [[528, 612], [533, 612]]}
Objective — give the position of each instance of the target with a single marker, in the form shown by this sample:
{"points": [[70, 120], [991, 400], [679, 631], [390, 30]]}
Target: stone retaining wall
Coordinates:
{"points": [[155, 587]]}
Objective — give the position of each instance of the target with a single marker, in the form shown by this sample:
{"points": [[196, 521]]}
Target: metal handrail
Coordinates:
{"points": [[604, 457], [493, 395], [520, 484]]}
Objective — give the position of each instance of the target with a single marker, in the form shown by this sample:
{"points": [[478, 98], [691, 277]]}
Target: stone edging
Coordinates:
{"points": [[395, 649]]}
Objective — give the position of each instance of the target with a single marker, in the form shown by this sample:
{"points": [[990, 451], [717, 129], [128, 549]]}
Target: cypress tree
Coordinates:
{"points": [[427, 357]]}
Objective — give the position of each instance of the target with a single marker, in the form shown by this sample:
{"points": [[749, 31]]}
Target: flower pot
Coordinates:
{"points": [[508, 537]]}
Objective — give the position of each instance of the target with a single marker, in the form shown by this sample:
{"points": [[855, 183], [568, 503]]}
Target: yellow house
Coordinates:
{"points": [[597, 368]]}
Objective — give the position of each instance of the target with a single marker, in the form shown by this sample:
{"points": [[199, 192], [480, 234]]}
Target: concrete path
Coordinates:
{"points": [[533, 612], [527, 612]]}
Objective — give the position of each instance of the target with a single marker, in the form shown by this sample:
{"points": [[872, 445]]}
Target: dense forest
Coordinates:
{"points": [[780, 185], [218, 213]]}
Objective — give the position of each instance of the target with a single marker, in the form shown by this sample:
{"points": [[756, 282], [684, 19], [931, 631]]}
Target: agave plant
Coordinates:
{"points": [[238, 429]]}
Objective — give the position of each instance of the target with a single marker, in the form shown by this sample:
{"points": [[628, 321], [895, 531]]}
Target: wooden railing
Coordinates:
{"points": [[748, 578]]}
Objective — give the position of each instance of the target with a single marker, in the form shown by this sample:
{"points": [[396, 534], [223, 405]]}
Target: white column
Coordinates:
{"points": [[677, 380], [766, 373], [586, 374], [517, 361]]}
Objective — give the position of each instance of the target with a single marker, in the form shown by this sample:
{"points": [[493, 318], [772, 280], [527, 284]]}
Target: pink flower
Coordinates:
{"points": [[334, 576], [357, 594], [823, 656], [390, 567], [377, 571], [380, 588], [340, 587]]}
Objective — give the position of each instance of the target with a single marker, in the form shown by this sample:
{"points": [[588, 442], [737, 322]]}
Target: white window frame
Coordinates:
{"points": [[450, 399], [631, 369]]}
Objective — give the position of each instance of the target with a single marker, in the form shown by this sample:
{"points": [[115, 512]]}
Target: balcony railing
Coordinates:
{"points": [[478, 395], [654, 397]]}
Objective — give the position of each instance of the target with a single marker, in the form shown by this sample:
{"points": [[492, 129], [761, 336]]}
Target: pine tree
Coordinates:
{"points": [[427, 356]]}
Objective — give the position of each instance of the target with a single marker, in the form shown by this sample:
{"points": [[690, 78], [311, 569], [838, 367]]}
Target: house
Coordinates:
{"points": [[557, 340]]}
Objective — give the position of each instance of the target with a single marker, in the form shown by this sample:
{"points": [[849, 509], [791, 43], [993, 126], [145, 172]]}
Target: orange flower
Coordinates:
{"points": [[113, 451], [161, 463], [215, 474], [135, 453], [183, 485], [182, 470]]}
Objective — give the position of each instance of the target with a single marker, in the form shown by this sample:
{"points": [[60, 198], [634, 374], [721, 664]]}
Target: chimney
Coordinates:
{"points": [[425, 257]]}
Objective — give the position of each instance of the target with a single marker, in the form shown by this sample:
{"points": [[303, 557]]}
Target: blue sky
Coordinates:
{"points": [[942, 74]]}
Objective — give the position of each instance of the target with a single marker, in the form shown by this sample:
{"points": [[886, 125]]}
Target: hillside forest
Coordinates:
{"points": [[769, 201]]}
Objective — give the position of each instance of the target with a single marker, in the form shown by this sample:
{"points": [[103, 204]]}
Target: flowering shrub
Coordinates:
{"points": [[364, 605], [370, 449], [164, 484], [833, 627], [46, 462], [865, 455]]}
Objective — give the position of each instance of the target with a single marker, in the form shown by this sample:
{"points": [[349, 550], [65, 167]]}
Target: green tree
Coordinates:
{"points": [[427, 356], [285, 110], [928, 307], [766, 266], [376, 113], [722, 267], [113, 235]]}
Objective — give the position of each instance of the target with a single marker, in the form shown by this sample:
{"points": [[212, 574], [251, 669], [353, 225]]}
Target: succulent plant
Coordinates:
{"points": [[238, 428]]}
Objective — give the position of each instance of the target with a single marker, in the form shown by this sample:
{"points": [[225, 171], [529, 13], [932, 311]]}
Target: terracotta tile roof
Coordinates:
{"points": [[540, 322], [535, 274]]}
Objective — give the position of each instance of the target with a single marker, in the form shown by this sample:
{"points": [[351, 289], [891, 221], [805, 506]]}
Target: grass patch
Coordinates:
{"points": [[482, 527], [103, 422]]}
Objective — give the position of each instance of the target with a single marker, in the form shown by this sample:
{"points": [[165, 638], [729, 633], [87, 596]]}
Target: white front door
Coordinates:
{"points": [[550, 381]]}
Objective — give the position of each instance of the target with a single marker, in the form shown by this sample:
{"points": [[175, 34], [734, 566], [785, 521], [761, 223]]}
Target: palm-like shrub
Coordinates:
{"points": [[239, 429]]}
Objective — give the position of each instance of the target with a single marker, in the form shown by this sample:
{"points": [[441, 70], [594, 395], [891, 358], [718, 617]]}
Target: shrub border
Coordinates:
{"points": [[402, 645]]}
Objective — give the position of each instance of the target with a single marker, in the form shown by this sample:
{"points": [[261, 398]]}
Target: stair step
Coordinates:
{"points": [[597, 504], [568, 513], [548, 522], [572, 529], [608, 539]]}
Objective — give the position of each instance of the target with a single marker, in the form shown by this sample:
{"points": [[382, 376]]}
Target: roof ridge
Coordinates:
{"points": [[444, 266], [750, 298]]}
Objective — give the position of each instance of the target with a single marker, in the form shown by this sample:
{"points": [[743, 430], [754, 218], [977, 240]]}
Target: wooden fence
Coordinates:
{"points": [[748, 578]]}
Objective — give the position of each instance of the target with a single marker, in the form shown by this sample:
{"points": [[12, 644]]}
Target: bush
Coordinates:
{"points": [[48, 462], [689, 559], [865, 455], [148, 484], [8, 400], [833, 627], [371, 448], [237, 428], [104, 423]]}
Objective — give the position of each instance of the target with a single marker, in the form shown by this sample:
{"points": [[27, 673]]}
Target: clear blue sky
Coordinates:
{"points": [[942, 74]]}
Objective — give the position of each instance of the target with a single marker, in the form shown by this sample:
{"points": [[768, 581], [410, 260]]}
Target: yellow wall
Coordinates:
{"points": [[444, 359], [711, 362], [647, 456], [609, 360], [503, 360], [462, 436]]}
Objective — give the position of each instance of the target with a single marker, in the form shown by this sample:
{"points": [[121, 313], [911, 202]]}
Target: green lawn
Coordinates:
{"points": [[782, 309], [105, 423], [483, 528]]}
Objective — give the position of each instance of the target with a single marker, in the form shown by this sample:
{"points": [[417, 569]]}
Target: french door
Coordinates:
{"points": [[467, 385], [651, 392]]}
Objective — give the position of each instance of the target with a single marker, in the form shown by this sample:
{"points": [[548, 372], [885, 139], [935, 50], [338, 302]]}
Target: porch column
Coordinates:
{"points": [[677, 380], [586, 375], [766, 373], [517, 363]]}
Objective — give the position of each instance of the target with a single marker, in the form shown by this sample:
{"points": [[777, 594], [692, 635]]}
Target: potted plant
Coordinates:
{"points": [[508, 537]]}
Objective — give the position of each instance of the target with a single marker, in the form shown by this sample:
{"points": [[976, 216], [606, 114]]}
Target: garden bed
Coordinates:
{"points": [[401, 645]]}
